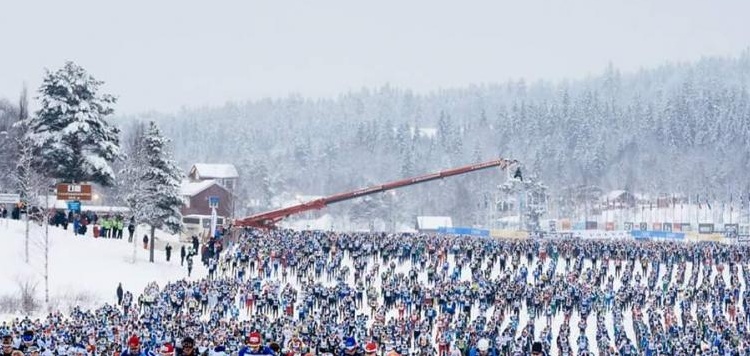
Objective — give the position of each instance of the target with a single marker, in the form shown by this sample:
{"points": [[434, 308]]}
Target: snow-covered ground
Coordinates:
{"points": [[83, 271]]}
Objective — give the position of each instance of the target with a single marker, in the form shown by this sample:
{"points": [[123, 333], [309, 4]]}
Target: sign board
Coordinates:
{"points": [[213, 201], [628, 226], [686, 227], [666, 227], [74, 206], [731, 230], [743, 238], [552, 226], [610, 226], [656, 226], [66, 191], [602, 235], [705, 228], [10, 198], [644, 226]]}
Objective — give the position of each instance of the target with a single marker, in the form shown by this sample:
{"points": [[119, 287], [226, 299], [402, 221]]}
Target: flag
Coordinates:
{"points": [[731, 202], [698, 199], [708, 204]]}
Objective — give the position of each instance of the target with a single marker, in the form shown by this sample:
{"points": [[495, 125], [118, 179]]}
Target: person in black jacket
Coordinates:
{"points": [[131, 229], [537, 349], [168, 250], [119, 294], [7, 346], [183, 253], [187, 347]]}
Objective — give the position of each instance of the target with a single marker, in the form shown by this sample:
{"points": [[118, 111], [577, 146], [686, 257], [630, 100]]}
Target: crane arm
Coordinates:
{"points": [[270, 218]]}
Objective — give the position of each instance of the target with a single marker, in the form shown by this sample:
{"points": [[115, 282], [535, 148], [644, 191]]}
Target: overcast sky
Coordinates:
{"points": [[163, 55]]}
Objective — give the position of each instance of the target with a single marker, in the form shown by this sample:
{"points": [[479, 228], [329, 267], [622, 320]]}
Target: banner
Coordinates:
{"points": [[628, 226], [601, 235], [638, 235], [464, 231], [509, 234]]}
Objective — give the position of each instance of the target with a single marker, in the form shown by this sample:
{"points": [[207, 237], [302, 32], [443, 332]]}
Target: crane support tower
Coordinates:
{"points": [[271, 218]]}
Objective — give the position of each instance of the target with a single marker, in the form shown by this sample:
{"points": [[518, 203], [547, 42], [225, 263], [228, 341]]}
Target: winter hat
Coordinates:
{"points": [[167, 349], [537, 347], [188, 340], [483, 345], [350, 343], [28, 336], [371, 347], [254, 339], [134, 341]]}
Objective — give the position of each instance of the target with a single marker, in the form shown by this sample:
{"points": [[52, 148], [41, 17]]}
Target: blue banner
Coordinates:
{"points": [[464, 231], [638, 234], [74, 206]]}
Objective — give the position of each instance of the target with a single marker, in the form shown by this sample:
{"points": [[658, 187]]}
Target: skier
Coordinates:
{"points": [[350, 347], [134, 348], [119, 294], [254, 346], [190, 266], [187, 348], [7, 346], [145, 242], [537, 349], [168, 250], [183, 253], [482, 349]]}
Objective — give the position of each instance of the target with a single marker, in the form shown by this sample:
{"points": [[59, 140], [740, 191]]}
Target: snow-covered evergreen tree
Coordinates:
{"points": [[72, 139], [156, 200]]}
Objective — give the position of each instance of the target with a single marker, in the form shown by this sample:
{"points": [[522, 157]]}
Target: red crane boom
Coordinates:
{"points": [[270, 218]]}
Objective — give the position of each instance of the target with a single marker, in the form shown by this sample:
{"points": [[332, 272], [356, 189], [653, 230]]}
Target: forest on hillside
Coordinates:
{"points": [[678, 129]]}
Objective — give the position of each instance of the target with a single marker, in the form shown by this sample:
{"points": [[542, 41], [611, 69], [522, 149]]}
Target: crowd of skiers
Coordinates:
{"points": [[298, 293]]}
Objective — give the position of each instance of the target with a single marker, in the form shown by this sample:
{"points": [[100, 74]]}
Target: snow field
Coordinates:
{"points": [[83, 271]]}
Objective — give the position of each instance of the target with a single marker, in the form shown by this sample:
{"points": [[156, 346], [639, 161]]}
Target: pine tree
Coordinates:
{"points": [[156, 200], [72, 139]]}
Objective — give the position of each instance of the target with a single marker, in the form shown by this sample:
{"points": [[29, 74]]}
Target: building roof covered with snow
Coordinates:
{"points": [[202, 171], [190, 189]]}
